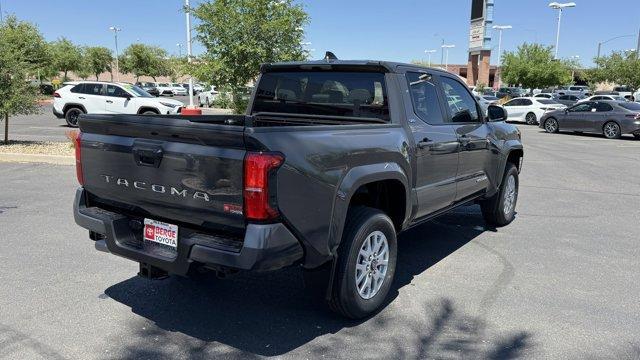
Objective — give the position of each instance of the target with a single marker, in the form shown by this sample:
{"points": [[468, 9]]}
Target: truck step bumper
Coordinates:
{"points": [[265, 246]]}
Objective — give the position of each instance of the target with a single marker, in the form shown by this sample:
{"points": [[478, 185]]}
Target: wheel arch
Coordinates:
{"points": [[147, 108], [68, 106], [385, 179]]}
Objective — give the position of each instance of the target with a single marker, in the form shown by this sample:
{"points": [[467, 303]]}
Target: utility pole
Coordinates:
{"points": [[429, 52], [499, 71], [442, 52], [638, 45], [446, 66], [115, 33]]}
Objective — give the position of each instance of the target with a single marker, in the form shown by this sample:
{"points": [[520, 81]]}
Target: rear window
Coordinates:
{"points": [[349, 94], [630, 106]]}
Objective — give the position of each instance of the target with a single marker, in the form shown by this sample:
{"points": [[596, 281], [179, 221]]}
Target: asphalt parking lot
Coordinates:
{"points": [[560, 282], [44, 126]]}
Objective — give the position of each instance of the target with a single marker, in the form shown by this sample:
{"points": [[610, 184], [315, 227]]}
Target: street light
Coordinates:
{"points": [[179, 49], [429, 52], [606, 41], [446, 61], [188, 16], [559, 7], [500, 28], [115, 34]]}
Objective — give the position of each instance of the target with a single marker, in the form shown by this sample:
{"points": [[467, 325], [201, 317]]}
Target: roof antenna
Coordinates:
{"points": [[330, 56]]}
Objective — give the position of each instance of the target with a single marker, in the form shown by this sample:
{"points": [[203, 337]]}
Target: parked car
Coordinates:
{"points": [[530, 110], [295, 182], [610, 118], [512, 92], [93, 97], [486, 100], [544, 95], [207, 96], [625, 91], [164, 89], [578, 90], [178, 89], [149, 87], [568, 100], [603, 97]]}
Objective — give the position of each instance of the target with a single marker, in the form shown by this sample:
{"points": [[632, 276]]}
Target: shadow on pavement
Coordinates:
{"points": [[272, 314]]}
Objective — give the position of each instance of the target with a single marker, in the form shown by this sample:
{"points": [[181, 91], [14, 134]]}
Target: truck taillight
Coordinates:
{"points": [[257, 168], [78, 147]]}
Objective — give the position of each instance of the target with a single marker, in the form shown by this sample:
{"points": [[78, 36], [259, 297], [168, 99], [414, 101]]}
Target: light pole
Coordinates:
{"points": [[559, 7], [179, 50], [446, 61], [188, 16], [606, 41], [500, 28], [115, 34], [429, 52]]}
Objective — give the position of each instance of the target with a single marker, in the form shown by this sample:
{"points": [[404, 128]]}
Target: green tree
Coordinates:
{"points": [[84, 70], [98, 59], [620, 68], [533, 66], [239, 35], [22, 51], [144, 60], [66, 56]]}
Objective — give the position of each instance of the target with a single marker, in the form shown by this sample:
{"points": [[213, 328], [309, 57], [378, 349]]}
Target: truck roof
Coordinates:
{"points": [[386, 66]]}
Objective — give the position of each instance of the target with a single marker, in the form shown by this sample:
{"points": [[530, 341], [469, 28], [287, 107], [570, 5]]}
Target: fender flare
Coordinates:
{"points": [[508, 147], [354, 179]]}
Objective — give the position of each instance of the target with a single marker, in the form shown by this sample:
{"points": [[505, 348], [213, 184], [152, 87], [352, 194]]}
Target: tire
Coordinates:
{"points": [[71, 116], [364, 227], [551, 126], [149, 112], [636, 136], [495, 210], [611, 130], [531, 119]]}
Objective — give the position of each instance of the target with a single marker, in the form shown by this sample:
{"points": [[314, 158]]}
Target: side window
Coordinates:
{"points": [[603, 107], [597, 98], [116, 91], [93, 89], [462, 106], [526, 102], [584, 107], [425, 98], [565, 97], [514, 102], [78, 89]]}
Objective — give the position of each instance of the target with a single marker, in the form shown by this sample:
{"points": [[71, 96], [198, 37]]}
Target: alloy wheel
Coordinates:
{"points": [[611, 130], [551, 125], [372, 264], [510, 193]]}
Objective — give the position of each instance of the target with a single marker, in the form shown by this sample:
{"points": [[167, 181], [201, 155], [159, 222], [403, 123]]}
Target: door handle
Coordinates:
{"points": [[425, 143], [464, 140], [109, 102], [81, 97]]}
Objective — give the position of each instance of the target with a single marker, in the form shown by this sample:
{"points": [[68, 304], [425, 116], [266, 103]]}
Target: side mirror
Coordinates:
{"points": [[128, 97], [496, 113]]}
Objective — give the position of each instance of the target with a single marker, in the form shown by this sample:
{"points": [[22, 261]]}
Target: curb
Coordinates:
{"points": [[38, 158]]}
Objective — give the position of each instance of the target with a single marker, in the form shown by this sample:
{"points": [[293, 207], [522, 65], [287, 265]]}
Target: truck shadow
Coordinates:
{"points": [[272, 314]]}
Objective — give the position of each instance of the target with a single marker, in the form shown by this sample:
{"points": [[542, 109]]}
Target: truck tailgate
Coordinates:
{"points": [[166, 167]]}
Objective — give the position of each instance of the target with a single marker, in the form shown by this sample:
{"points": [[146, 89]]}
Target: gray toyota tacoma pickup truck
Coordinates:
{"points": [[331, 161]]}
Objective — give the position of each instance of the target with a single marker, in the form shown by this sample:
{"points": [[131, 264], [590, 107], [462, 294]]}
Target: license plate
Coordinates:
{"points": [[161, 233]]}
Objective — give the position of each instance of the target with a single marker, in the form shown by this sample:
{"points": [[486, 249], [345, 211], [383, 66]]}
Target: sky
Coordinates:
{"points": [[398, 30]]}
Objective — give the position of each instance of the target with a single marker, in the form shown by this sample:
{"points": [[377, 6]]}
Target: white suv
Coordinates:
{"points": [[94, 97]]}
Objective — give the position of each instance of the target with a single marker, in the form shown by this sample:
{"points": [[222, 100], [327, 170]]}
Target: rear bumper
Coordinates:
{"points": [[57, 113], [265, 246]]}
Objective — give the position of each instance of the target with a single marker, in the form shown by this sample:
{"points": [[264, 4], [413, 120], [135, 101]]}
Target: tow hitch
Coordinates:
{"points": [[151, 272]]}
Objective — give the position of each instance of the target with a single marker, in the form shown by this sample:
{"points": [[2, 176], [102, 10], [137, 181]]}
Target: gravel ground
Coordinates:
{"points": [[38, 147]]}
